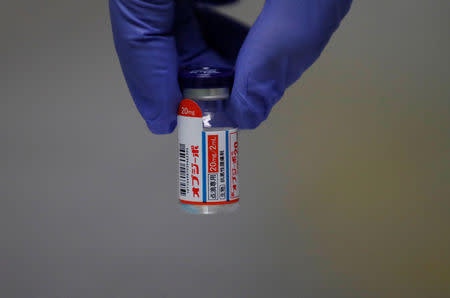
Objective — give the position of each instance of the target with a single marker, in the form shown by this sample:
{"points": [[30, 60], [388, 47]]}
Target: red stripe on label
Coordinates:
{"points": [[234, 167], [189, 108], [213, 154]]}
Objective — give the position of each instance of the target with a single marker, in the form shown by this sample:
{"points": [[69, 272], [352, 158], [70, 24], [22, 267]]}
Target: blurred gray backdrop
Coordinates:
{"points": [[345, 189]]}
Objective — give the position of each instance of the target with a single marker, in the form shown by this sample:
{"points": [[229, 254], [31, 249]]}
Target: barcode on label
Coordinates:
{"points": [[182, 161]]}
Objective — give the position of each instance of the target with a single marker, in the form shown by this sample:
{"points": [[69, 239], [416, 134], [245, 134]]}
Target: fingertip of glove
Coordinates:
{"points": [[161, 127], [244, 116]]}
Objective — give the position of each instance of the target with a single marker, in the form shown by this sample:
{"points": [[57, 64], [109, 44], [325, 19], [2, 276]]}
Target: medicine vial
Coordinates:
{"points": [[207, 142]]}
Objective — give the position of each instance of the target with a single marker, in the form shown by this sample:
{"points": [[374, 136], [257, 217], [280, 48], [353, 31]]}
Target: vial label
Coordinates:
{"points": [[208, 160]]}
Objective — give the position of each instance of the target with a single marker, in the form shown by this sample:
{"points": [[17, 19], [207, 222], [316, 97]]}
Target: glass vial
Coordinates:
{"points": [[207, 142]]}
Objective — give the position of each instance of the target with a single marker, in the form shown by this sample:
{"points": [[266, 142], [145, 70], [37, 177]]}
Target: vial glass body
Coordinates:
{"points": [[220, 184]]}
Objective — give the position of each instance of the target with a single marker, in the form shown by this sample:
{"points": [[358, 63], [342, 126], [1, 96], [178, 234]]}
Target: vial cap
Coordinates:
{"points": [[205, 77]]}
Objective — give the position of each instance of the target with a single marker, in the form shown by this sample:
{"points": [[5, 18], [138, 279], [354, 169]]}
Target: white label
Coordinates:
{"points": [[208, 160]]}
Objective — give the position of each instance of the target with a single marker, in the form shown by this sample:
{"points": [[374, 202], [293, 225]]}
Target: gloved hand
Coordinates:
{"points": [[153, 38]]}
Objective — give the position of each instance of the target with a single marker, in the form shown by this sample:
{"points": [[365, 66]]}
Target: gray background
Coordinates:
{"points": [[345, 189]]}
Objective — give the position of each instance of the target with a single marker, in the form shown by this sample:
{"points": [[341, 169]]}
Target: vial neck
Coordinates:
{"points": [[206, 94]]}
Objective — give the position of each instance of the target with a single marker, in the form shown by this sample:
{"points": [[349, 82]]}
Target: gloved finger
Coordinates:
{"points": [[286, 39], [191, 46], [143, 36], [223, 34]]}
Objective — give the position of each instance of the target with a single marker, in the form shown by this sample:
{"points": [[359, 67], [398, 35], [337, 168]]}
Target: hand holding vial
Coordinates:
{"points": [[154, 38]]}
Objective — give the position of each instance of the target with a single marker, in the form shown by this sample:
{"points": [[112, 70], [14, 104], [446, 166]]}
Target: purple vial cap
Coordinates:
{"points": [[205, 77]]}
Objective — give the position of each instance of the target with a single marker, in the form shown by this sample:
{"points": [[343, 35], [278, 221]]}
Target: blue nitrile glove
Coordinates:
{"points": [[153, 38]]}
